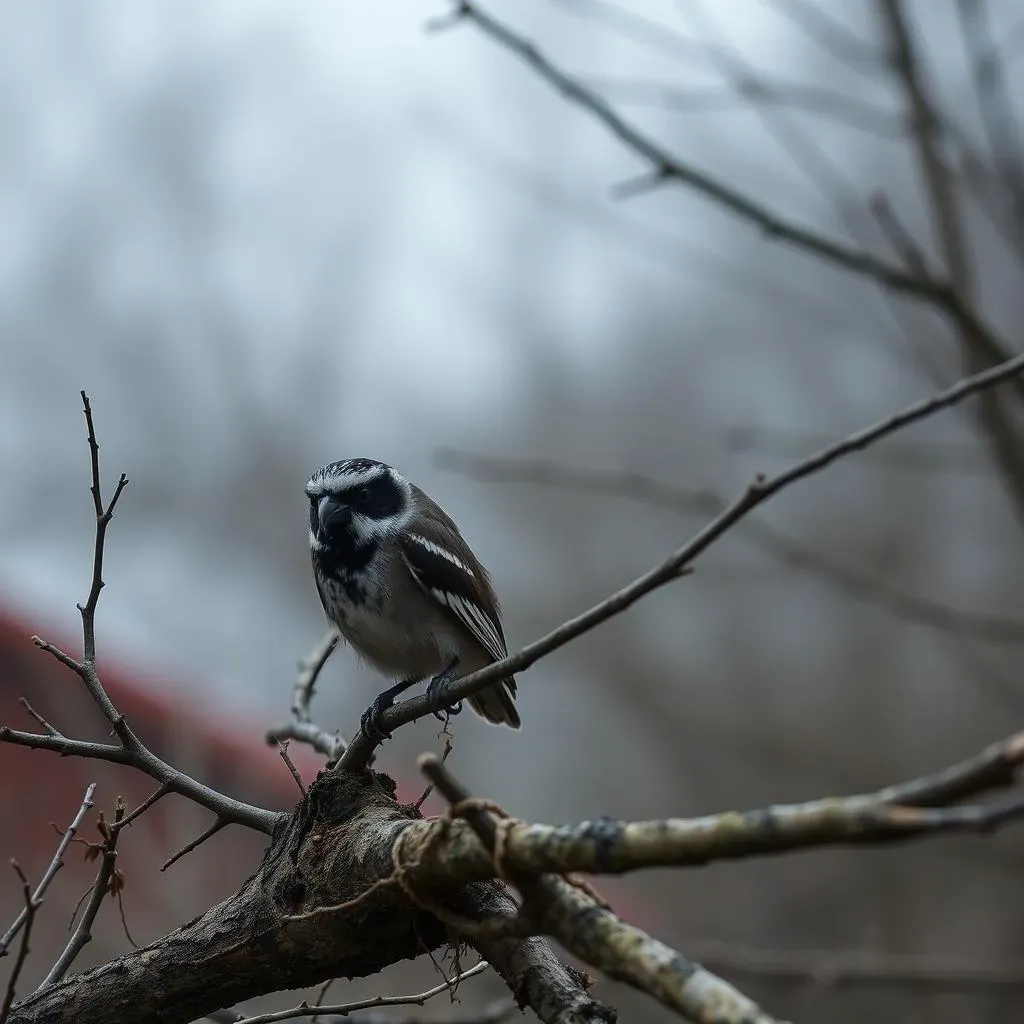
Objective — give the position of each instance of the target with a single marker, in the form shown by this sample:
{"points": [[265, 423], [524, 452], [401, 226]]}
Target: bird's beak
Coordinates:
{"points": [[332, 514]]}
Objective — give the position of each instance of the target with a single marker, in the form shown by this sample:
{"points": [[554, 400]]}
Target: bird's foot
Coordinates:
{"points": [[438, 683], [368, 722]]}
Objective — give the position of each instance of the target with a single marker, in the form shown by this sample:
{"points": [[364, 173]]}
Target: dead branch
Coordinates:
{"points": [[639, 488], [955, 246], [50, 873], [343, 1009], [31, 905], [994, 105], [130, 750], [338, 844], [665, 168], [924, 806], [105, 882], [361, 748], [824, 102], [589, 929], [301, 726], [834, 38]]}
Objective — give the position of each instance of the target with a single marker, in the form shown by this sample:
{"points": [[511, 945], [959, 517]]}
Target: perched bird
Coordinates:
{"points": [[402, 585]]}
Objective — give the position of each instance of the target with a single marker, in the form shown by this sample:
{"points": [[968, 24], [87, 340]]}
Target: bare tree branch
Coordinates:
{"points": [[928, 805], [776, 442], [954, 242], [343, 1009], [336, 849], [495, 1013], [645, 490], [50, 873], [31, 905], [361, 748], [828, 103], [665, 168], [301, 727], [591, 931], [104, 877], [833, 37], [130, 750], [994, 104]]}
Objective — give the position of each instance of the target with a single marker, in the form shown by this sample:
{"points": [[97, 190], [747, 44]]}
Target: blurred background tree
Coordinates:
{"points": [[266, 236]]}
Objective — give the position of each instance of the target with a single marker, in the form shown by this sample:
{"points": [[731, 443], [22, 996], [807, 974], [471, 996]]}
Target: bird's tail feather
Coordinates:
{"points": [[497, 704]]}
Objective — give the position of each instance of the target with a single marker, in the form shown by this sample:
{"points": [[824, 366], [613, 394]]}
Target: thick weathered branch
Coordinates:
{"points": [[334, 850], [360, 750], [589, 929], [928, 805]]}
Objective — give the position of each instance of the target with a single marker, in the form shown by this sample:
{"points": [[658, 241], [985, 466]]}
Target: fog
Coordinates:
{"points": [[267, 236]]}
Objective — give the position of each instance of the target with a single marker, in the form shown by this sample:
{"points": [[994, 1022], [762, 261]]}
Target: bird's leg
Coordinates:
{"points": [[368, 721], [441, 680]]}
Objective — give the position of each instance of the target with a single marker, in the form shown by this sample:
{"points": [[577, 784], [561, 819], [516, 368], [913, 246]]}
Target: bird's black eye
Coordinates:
{"points": [[364, 494]]}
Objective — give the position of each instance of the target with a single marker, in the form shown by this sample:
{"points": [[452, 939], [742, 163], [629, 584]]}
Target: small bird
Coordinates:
{"points": [[403, 587]]}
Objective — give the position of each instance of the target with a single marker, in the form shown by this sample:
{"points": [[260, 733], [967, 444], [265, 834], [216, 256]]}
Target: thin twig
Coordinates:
{"points": [[102, 886], [207, 833], [50, 730], [158, 794], [305, 1009], [361, 748], [129, 750], [795, 95], [899, 237], [55, 865], [832, 36], [31, 905], [670, 168], [994, 104], [290, 764], [648, 491], [301, 726], [666, 168], [496, 1012], [954, 240]]}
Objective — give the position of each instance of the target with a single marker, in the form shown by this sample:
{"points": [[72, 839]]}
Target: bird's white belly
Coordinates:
{"points": [[404, 648]]}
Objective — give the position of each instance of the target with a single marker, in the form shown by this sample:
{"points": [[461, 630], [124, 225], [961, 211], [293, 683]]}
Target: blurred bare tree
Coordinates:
{"points": [[233, 255]]}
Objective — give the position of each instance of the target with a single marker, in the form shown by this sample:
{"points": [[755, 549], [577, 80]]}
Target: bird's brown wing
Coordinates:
{"points": [[443, 564]]}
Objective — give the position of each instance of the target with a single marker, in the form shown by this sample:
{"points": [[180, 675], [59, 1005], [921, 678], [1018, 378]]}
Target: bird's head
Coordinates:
{"points": [[356, 502]]}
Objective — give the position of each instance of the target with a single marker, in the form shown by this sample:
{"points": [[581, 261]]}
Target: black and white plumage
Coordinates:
{"points": [[401, 584]]}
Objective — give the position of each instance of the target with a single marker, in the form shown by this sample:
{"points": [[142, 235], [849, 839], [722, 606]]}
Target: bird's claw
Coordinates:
{"points": [[445, 713], [369, 719], [438, 683]]}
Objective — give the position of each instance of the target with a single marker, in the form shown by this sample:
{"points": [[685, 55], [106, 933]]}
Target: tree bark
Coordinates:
{"points": [[336, 844]]}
